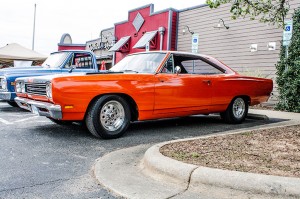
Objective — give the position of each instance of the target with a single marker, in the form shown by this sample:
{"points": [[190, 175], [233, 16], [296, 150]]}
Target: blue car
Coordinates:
{"points": [[58, 62]]}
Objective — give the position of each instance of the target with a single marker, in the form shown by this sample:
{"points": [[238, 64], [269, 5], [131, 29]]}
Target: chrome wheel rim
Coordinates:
{"points": [[112, 115], [239, 108]]}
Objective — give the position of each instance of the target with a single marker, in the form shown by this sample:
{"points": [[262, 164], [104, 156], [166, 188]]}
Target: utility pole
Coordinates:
{"points": [[33, 26]]}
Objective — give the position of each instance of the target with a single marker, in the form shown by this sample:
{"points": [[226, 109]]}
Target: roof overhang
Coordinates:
{"points": [[122, 45], [148, 37]]}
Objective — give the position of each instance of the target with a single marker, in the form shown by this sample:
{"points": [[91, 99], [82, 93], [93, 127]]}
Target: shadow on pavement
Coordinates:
{"points": [[171, 128]]}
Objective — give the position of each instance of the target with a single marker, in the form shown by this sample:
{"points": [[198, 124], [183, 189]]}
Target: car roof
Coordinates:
{"points": [[170, 51]]}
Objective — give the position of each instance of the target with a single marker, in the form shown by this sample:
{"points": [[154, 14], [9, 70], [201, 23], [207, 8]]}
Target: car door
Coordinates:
{"points": [[183, 92]]}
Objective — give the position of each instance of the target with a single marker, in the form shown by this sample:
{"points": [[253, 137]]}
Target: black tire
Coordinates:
{"points": [[60, 122], [222, 115], [13, 104], [108, 117], [236, 112]]}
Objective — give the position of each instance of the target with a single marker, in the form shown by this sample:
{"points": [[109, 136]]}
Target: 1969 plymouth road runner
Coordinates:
{"points": [[143, 86]]}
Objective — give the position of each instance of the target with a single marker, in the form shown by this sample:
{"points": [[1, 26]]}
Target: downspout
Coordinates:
{"points": [[161, 31]]}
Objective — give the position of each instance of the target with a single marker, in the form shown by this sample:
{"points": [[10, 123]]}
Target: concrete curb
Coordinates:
{"points": [[257, 116], [164, 167], [257, 183]]}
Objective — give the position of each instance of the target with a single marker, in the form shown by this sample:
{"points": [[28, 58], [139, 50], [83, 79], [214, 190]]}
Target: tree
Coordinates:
{"points": [[271, 11], [288, 71]]}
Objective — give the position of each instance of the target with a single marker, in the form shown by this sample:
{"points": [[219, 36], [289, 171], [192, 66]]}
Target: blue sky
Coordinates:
{"points": [[83, 20]]}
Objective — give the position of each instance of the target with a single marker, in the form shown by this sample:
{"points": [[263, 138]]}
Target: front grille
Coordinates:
{"points": [[36, 88]]}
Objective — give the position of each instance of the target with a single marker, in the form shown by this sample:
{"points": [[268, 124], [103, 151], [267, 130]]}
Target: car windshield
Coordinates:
{"points": [[140, 63], [55, 60]]}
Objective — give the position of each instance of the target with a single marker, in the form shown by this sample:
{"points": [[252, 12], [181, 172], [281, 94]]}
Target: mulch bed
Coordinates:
{"points": [[273, 151]]}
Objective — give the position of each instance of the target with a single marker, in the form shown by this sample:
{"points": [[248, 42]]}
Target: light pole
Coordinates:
{"points": [[33, 27]]}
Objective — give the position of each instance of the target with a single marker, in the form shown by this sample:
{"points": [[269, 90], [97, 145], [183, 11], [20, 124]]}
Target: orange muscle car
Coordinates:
{"points": [[143, 86]]}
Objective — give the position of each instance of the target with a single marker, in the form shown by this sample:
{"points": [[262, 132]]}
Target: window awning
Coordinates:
{"points": [[147, 37], [122, 45]]}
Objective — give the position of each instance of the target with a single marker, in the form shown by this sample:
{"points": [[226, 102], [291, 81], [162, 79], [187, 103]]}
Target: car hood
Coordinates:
{"points": [[21, 70], [46, 78], [99, 76]]}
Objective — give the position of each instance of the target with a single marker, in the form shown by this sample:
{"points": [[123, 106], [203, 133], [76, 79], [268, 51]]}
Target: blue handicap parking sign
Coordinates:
{"points": [[287, 28]]}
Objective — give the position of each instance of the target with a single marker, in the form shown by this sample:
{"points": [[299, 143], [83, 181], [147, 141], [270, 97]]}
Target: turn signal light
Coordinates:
{"points": [[69, 106]]}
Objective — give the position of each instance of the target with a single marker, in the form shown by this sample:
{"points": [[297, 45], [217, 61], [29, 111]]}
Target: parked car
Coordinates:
{"points": [[57, 62], [143, 86]]}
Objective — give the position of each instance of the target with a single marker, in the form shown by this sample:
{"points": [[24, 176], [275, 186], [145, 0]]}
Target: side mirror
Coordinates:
{"points": [[177, 70]]}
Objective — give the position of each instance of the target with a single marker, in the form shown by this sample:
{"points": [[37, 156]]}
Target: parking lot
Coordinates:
{"points": [[40, 159]]}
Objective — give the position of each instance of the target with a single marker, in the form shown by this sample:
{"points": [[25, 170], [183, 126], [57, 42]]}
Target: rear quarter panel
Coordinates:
{"points": [[228, 87]]}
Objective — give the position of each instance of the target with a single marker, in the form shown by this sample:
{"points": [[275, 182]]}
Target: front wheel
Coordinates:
{"points": [[108, 117], [236, 112]]}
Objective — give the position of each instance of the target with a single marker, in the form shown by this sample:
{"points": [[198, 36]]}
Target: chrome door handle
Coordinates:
{"points": [[208, 82], [161, 80]]}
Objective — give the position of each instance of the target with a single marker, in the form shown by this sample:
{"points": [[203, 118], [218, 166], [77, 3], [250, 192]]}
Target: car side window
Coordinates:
{"points": [[80, 61], [83, 60], [198, 66]]}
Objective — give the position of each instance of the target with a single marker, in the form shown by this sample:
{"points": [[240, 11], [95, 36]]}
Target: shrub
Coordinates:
{"points": [[288, 71]]}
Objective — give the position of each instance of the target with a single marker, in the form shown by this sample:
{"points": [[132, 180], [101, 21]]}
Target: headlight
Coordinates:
{"points": [[20, 87], [3, 83], [49, 90], [23, 90]]}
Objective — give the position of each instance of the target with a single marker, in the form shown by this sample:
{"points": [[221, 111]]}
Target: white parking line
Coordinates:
{"points": [[25, 119], [5, 121], [22, 114]]}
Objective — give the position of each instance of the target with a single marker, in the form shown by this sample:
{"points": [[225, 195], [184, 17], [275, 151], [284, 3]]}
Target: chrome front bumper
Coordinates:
{"points": [[5, 95], [41, 108]]}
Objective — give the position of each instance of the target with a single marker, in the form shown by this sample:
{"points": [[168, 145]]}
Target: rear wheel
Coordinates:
{"points": [[236, 111], [108, 117]]}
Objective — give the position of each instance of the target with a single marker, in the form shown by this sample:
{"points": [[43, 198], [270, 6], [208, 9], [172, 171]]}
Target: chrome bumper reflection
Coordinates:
{"points": [[5, 95], [40, 108]]}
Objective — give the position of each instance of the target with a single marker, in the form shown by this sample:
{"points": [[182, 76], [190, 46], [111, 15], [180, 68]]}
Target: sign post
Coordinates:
{"points": [[195, 42], [287, 35]]}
